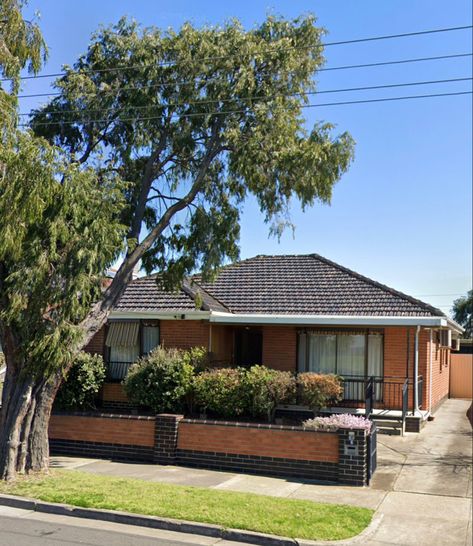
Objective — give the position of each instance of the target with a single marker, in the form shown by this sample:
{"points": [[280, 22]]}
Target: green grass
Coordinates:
{"points": [[286, 517]]}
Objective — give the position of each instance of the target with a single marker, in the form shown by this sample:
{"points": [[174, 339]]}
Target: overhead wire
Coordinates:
{"points": [[242, 111], [257, 98], [274, 50]]}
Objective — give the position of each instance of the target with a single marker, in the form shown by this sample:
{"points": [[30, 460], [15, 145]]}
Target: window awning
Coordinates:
{"points": [[122, 334]]}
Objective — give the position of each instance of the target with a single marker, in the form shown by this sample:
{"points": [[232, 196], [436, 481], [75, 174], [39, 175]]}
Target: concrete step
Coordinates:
{"points": [[389, 431], [388, 423], [392, 427]]}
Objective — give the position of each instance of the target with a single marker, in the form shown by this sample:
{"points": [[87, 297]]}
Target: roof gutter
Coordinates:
{"points": [[327, 320], [156, 315]]}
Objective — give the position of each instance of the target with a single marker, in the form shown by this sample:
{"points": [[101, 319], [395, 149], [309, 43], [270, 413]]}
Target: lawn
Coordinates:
{"points": [[286, 517]]}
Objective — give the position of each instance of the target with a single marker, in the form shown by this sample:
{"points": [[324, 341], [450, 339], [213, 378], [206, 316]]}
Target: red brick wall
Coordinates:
{"points": [[108, 430], [184, 334], [113, 392], [280, 347], [262, 442], [440, 368], [97, 343], [395, 351]]}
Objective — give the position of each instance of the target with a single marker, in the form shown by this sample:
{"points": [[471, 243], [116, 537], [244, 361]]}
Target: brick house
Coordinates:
{"points": [[295, 313]]}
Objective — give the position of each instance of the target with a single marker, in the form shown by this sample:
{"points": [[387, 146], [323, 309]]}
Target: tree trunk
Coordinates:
{"points": [[26, 410]]}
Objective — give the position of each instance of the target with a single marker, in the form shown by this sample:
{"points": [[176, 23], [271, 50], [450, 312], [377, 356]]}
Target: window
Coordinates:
{"points": [[343, 353], [149, 337], [127, 341], [248, 347]]}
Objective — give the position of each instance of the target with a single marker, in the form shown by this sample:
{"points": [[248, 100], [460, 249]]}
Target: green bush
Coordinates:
{"points": [[319, 390], [198, 357], [163, 380], [265, 389], [82, 384], [255, 392], [221, 391]]}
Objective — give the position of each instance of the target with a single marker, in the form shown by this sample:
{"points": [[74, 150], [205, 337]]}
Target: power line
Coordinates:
{"points": [[189, 82], [223, 112], [169, 83], [274, 50], [269, 97], [401, 61], [432, 295]]}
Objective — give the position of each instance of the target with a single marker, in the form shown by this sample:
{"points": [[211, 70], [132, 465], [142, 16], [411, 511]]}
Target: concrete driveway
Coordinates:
{"points": [[422, 488]]}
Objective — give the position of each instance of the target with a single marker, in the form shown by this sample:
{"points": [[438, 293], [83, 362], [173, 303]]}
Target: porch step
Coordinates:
{"points": [[392, 427]]}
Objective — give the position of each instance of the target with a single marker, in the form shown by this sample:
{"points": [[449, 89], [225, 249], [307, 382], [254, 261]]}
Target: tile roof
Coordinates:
{"points": [[287, 284], [144, 294], [308, 285]]}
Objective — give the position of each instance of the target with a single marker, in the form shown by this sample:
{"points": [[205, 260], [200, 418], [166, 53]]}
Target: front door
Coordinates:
{"points": [[248, 347]]}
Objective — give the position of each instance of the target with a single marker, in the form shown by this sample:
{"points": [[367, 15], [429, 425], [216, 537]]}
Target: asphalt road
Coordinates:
{"points": [[25, 528]]}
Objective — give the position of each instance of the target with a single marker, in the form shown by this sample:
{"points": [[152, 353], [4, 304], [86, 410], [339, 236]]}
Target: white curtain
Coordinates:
{"points": [[322, 353], [150, 338], [375, 355], [351, 355]]}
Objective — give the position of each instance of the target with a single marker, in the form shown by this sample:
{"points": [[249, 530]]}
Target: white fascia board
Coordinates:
{"points": [[452, 325], [168, 315], [327, 320]]}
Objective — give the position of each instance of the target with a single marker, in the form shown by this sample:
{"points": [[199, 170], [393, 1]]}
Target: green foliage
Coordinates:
{"points": [[162, 380], [463, 313], [235, 510], [21, 45], [199, 119], [253, 392], [221, 391], [266, 388], [60, 231], [197, 357], [319, 390], [83, 382]]}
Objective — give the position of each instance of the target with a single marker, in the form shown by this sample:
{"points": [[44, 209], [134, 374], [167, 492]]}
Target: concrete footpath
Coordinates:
{"points": [[422, 489]]}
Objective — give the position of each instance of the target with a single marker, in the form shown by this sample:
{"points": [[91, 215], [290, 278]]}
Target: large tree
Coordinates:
{"points": [[185, 125], [463, 313]]}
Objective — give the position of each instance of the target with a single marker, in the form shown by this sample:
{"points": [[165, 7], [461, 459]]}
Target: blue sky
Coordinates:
{"points": [[402, 214]]}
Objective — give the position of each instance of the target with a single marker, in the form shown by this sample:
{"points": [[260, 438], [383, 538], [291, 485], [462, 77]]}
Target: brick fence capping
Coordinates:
{"points": [[106, 415]]}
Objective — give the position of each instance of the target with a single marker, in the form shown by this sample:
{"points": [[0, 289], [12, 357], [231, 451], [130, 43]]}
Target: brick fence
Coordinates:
{"points": [[339, 456]]}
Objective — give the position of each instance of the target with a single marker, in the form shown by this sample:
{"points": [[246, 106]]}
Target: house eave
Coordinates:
{"points": [[160, 315], [328, 320]]}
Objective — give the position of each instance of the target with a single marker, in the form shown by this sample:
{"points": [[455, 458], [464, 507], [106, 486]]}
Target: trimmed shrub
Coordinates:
{"points": [[319, 390], [338, 420], [161, 380], [221, 391], [198, 357], [82, 384], [265, 389]]}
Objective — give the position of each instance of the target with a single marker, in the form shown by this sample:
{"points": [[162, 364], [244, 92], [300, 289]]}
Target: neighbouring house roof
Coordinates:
{"points": [[280, 285], [144, 294]]}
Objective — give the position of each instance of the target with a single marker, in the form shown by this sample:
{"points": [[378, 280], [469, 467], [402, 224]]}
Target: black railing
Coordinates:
{"points": [[116, 371], [379, 392], [405, 403], [420, 389], [369, 397]]}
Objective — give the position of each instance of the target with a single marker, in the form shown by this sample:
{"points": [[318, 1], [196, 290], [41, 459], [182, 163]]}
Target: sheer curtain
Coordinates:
{"points": [[150, 338], [375, 355], [351, 355], [322, 353]]}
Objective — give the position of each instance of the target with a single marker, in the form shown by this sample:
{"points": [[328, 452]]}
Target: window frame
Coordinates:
{"points": [[337, 332], [142, 323]]}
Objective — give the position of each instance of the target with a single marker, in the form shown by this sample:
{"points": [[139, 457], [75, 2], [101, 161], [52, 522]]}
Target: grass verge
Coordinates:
{"points": [[286, 517]]}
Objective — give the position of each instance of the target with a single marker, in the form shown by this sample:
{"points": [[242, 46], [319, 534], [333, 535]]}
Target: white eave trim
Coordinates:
{"points": [[329, 320], [314, 320], [165, 315]]}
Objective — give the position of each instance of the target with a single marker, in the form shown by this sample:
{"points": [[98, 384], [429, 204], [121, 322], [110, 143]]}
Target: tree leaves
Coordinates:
{"points": [[150, 105]]}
